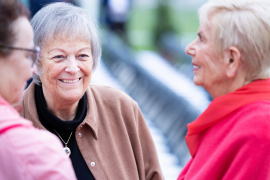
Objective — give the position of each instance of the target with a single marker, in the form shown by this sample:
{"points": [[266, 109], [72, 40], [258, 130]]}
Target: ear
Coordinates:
{"points": [[232, 60]]}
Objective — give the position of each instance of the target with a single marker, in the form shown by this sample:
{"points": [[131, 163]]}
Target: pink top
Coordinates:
{"points": [[27, 153]]}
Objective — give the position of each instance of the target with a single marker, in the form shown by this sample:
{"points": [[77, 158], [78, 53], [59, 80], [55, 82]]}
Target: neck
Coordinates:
{"points": [[226, 87], [64, 110]]}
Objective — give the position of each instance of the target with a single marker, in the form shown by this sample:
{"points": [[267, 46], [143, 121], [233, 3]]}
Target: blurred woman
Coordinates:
{"points": [[230, 57], [102, 129], [25, 152]]}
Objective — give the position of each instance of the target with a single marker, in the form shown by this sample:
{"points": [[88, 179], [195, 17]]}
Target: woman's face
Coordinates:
{"points": [[208, 67], [16, 68], [66, 67]]}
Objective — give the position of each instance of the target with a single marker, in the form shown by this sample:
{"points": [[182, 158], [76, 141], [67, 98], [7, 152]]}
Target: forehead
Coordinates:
{"points": [[65, 42], [24, 33], [205, 31]]}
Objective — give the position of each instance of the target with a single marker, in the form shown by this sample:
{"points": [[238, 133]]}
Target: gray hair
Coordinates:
{"points": [[63, 19], [244, 24]]}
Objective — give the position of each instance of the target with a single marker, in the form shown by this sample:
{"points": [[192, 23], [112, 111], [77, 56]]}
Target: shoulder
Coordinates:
{"points": [[25, 139], [36, 151], [258, 106], [10, 117], [108, 91], [249, 123], [110, 94], [112, 102], [254, 113], [252, 121]]}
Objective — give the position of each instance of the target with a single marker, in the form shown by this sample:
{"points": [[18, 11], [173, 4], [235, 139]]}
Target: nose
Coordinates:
{"points": [[190, 49], [72, 66]]}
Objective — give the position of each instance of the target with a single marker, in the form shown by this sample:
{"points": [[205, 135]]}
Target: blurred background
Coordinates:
{"points": [[143, 54]]}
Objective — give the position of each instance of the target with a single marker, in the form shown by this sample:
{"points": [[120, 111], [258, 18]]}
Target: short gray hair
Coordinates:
{"points": [[61, 19], [244, 24]]}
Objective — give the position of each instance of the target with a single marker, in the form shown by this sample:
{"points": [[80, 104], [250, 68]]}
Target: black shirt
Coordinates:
{"points": [[64, 129]]}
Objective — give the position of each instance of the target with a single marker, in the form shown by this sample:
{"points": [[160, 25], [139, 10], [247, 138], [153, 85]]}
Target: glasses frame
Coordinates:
{"points": [[36, 50]]}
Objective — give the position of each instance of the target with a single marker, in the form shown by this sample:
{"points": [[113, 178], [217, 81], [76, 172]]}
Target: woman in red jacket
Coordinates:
{"points": [[230, 57]]}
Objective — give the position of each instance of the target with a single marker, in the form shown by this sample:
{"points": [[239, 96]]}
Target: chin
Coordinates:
{"points": [[16, 99], [17, 96], [197, 82], [73, 97]]}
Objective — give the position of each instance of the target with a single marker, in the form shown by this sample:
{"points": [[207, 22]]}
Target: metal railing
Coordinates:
{"points": [[169, 111]]}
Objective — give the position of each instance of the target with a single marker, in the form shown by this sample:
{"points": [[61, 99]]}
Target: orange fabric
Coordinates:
{"points": [[223, 106]]}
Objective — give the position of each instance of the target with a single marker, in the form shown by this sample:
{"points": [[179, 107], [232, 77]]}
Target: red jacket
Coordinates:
{"points": [[231, 139], [236, 148]]}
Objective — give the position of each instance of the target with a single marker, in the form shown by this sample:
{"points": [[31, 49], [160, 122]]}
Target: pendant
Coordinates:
{"points": [[67, 150]]}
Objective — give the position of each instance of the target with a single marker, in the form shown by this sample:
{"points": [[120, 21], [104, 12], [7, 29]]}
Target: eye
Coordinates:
{"points": [[58, 57], [200, 38], [29, 55], [83, 57]]}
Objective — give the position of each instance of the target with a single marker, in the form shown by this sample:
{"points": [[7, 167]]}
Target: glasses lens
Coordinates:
{"points": [[35, 55]]}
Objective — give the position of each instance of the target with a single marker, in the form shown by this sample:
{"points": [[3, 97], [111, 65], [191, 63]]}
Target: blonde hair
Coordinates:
{"points": [[244, 24]]}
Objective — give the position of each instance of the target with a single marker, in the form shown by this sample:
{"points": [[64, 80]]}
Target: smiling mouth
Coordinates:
{"points": [[196, 67], [70, 81]]}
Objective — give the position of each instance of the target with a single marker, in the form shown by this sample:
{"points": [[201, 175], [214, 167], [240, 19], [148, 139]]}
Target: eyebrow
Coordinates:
{"points": [[85, 48], [65, 51], [55, 49], [200, 33]]}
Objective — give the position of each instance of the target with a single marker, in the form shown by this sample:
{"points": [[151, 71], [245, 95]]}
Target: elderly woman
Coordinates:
{"points": [[26, 152], [230, 57], [102, 129]]}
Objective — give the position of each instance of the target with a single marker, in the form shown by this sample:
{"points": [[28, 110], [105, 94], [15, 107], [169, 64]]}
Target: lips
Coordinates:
{"points": [[196, 67], [69, 81]]}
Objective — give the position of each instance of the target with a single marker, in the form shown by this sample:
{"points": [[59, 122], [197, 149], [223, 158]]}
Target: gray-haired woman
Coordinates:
{"points": [[102, 129], [230, 57]]}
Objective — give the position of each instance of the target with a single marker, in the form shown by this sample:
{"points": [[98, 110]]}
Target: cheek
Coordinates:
{"points": [[208, 59], [49, 72], [86, 68], [209, 62], [213, 70]]}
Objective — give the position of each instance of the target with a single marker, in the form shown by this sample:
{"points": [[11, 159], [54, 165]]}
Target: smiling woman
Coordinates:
{"points": [[230, 57], [209, 70], [67, 68], [102, 129]]}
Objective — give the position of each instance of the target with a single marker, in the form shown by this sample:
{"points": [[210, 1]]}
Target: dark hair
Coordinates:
{"points": [[10, 11]]}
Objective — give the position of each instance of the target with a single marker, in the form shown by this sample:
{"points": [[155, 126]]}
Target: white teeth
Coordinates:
{"points": [[70, 81], [195, 67]]}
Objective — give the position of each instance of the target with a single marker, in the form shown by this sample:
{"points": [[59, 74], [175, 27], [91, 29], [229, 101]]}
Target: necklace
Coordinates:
{"points": [[66, 149]]}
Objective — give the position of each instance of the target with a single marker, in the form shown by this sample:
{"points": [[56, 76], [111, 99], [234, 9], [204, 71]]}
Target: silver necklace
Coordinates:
{"points": [[66, 149]]}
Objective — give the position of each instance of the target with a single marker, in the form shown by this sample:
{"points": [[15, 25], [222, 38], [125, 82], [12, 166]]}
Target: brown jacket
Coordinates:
{"points": [[113, 138]]}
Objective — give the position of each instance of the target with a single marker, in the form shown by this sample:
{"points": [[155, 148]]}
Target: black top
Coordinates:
{"points": [[64, 129]]}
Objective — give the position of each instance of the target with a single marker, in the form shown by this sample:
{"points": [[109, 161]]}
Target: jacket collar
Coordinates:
{"points": [[222, 107], [92, 113], [30, 110]]}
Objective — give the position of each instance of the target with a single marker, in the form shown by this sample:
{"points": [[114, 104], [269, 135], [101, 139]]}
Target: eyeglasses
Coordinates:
{"points": [[34, 52]]}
